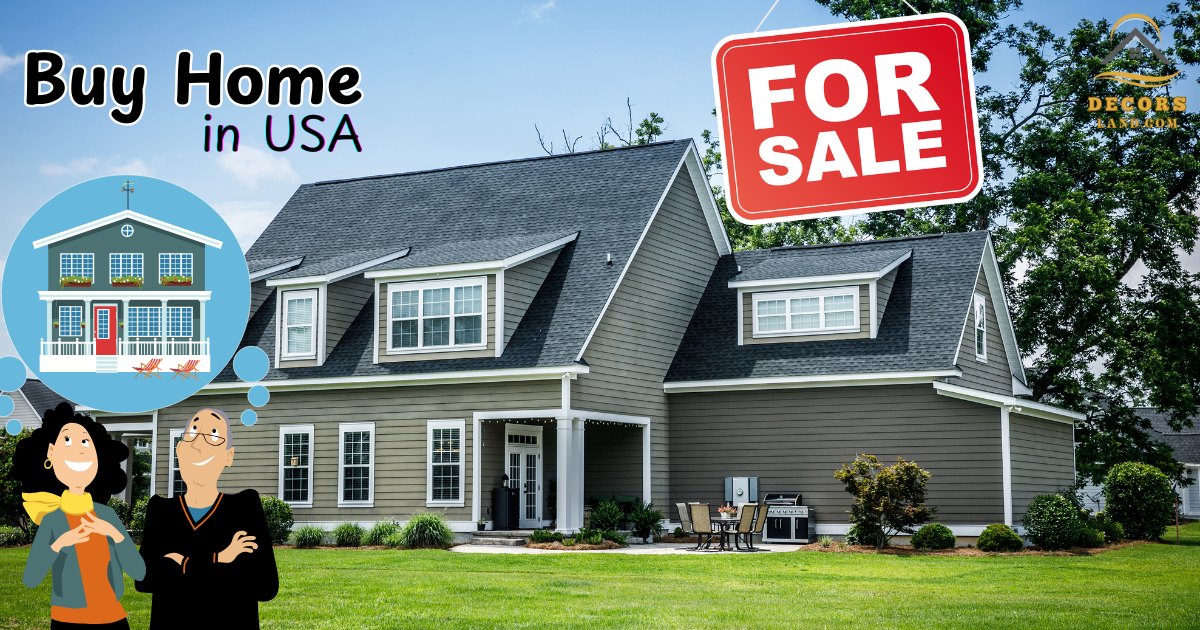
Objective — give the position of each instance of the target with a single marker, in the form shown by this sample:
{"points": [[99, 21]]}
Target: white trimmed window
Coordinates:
{"points": [[434, 316], [176, 486], [445, 462], [295, 464], [980, 308], [812, 311], [174, 265], [69, 318], [76, 265], [124, 266], [300, 324], [145, 321], [356, 464], [179, 321]]}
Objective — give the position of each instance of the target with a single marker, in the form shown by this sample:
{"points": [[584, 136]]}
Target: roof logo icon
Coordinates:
{"points": [[1132, 78]]}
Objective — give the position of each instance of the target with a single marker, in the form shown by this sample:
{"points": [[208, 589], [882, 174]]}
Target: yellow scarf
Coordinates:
{"points": [[39, 504]]}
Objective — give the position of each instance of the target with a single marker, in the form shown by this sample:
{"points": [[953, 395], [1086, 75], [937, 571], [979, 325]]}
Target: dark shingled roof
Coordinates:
{"points": [[783, 263], [41, 397], [606, 196], [920, 329], [1186, 443], [256, 265], [321, 265], [471, 251]]}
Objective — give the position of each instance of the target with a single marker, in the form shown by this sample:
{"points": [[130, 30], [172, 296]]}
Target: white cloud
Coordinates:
{"points": [[109, 166], [250, 166], [85, 165], [7, 62], [538, 11], [132, 167], [247, 219]]}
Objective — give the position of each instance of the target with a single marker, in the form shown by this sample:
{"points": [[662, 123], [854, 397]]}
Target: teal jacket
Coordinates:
{"points": [[66, 582]]}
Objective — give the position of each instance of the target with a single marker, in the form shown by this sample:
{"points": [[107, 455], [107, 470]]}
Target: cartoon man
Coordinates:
{"points": [[207, 553]]}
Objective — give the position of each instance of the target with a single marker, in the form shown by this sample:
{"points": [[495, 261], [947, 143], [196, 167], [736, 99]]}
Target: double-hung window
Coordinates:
{"points": [[980, 309], [69, 318], [356, 464], [176, 486], [145, 321], [178, 320], [810, 311], [300, 324], [445, 473], [442, 315], [76, 265], [125, 267], [295, 464], [176, 266]]}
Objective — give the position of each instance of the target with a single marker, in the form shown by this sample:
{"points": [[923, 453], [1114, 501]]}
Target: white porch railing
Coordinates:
{"points": [[68, 348], [164, 349]]}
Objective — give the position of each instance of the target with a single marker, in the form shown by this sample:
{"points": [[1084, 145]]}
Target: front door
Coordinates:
{"points": [[523, 452], [104, 329]]}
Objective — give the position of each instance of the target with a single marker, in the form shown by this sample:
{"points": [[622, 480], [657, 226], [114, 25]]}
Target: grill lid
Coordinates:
{"points": [[782, 498]]}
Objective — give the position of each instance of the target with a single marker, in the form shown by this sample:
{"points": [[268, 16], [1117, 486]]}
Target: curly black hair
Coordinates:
{"points": [[28, 462]]}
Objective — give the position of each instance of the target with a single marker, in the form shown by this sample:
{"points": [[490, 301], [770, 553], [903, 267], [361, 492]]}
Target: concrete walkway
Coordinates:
{"points": [[651, 549]]}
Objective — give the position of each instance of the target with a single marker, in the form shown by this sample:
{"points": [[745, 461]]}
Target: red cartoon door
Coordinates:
{"points": [[104, 319]]}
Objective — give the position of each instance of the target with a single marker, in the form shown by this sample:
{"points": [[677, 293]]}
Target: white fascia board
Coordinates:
{"points": [[865, 276], [520, 414], [1017, 405], [819, 380], [1020, 389], [274, 269], [708, 203], [537, 252], [486, 266], [340, 274], [121, 216], [398, 380], [628, 263], [124, 295], [991, 269]]}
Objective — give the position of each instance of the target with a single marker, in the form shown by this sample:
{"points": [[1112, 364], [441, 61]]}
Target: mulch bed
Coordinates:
{"points": [[608, 544], [971, 551], [676, 539]]}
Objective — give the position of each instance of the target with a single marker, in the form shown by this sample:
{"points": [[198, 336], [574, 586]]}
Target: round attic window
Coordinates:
{"points": [[126, 230]]}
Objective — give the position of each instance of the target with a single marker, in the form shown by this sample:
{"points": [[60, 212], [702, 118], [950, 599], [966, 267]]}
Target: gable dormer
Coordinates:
{"points": [[459, 300], [799, 294]]}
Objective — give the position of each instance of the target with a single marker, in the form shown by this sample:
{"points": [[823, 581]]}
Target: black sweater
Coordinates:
{"points": [[226, 593]]}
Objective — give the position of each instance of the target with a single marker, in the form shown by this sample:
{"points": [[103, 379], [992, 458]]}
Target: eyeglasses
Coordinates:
{"points": [[215, 440]]}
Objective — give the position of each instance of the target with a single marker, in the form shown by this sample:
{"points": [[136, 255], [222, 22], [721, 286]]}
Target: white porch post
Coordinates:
{"points": [[121, 334], [162, 325], [154, 452], [49, 320], [577, 465], [565, 500], [89, 331], [202, 303], [646, 463], [476, 461], [1006, 464]]}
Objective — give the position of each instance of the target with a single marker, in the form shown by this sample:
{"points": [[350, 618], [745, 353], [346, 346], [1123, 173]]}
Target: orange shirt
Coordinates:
{"points": [[102, 604]]}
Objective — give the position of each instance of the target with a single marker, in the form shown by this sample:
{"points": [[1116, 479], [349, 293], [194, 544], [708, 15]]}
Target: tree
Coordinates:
{"points": [[12, 512], [141, 474], [887, 501], [649, 130], [1077, 206]]}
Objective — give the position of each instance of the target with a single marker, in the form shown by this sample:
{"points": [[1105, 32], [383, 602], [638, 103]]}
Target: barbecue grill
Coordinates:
{"points": [[787, 520]]}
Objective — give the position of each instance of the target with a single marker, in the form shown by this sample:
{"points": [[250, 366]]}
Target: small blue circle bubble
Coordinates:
{"points": [[12, 374], [251, 364], [258, 395], [13, 426], [249, 417], [6, 406]]}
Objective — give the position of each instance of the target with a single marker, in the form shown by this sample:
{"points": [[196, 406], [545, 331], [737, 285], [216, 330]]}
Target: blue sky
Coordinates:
{"points": [[444, 84]]}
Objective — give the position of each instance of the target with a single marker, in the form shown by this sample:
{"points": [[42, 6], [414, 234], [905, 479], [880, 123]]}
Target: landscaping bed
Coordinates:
{"points": [[557, 546], [893, 550]]}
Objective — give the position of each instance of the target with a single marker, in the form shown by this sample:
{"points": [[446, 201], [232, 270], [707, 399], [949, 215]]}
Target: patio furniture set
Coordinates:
{"points": [[749, 521], [151, 368]]}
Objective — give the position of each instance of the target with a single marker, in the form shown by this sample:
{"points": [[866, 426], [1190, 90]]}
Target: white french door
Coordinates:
{"points": [[523, 458]]}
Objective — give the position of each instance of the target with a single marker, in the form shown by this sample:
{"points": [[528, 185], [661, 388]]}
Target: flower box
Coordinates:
{"points": [[74, 281], [126, 281], [126, 284], [175, 281]]}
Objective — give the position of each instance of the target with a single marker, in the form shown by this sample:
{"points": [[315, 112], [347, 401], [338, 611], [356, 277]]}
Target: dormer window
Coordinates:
{"points": [[436, 315], [299, 324], [813, 311]]}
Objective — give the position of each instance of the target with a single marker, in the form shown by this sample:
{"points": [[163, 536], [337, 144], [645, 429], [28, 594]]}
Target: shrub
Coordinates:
{"points": [[1113, 531], [1052, 522], [645, 519], [606, 515], [395, 539], [679, 533], [348, 534], [825, 541], [279, 518], [427, 529], [545, 536], [999, 537], [137, 516], [377, 535], [122, 509], [309, 536], [860, 535], [933, 536], [1139, 497], [1090, 537], [887, 501]]}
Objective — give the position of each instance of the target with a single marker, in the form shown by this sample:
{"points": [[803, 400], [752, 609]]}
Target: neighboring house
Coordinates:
{"points": [[577, 326], [123, 289], [32, 401], [1186, 447]]}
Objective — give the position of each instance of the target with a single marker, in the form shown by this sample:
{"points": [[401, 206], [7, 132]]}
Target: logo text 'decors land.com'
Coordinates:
{"points": [[1143, 112], [1130, 105]]}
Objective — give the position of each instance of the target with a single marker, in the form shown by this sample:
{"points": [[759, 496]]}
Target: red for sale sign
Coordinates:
{"points": [[849, 118]]}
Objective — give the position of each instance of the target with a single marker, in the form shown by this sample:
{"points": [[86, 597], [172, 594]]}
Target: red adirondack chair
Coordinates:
{"points": [[186, 369], [148, 368]]}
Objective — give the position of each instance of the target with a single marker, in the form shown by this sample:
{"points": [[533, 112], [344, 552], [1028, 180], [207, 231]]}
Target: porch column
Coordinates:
{"points": [[201, 337], [577, 465], [566, 499], [49, 320], [162, 325], [124, 316], [89, 330]]}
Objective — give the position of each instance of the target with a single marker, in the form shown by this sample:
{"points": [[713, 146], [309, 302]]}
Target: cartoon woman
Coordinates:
{"points": [[67, 469]]}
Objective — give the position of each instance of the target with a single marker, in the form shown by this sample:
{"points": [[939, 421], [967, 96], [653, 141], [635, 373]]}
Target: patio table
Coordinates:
{"points": [[726, 524]]}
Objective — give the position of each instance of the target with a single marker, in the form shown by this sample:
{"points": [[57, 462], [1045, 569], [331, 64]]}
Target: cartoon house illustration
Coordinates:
{"points": [[124, 290]]}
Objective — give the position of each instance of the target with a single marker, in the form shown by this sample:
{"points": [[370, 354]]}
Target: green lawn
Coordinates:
{"points": [[1148, 586]]}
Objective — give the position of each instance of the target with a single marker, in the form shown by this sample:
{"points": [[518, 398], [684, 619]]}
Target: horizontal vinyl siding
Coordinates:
{"points": [[22, 411], [344, 301], [612, 460], [637, 339], [400, 415], [794, 440], [1043, 459], [384, 357], [521, 284], [864, 322], [994, 375]]}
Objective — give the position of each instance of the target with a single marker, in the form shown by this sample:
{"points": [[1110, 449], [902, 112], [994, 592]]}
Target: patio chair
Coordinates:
{"points": [[148, 368], [685, 521], [702, 526], [186, 369], [745, 528], [759, 523]]}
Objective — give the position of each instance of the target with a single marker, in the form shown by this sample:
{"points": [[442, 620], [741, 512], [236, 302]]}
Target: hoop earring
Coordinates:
{"points": [[48, 465]]}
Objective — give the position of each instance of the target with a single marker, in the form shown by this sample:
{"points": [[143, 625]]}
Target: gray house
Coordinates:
{"points": [[577, 326]]}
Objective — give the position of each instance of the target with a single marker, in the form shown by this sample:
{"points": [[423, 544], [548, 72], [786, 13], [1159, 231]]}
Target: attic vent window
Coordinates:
{"points": [[815, 311], [126, 230]]}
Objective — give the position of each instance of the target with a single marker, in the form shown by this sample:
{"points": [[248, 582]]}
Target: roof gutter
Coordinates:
{"points": [[471, 267], [340, 274], [845, 277], [400, 380], [274, 269], [819, 380], [1015, 405]]}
